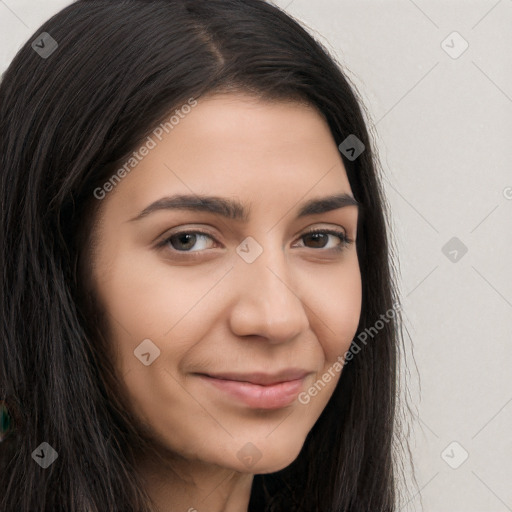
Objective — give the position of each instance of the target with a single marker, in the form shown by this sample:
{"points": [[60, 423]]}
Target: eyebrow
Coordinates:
{"points": [[234, 210]]}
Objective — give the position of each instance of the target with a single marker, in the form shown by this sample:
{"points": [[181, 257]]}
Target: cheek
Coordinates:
{"points": [[336, 304], [340, 305], [149, 298], [146, 301]]}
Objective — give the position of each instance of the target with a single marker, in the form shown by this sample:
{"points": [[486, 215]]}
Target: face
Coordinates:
{"points": [[222, 315]]}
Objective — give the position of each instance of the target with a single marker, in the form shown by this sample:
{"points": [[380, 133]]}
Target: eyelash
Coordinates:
{"points": [[345, 240]]}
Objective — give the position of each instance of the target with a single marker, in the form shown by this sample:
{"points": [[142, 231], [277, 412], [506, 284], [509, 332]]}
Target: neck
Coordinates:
{"points": [[193, 486]]}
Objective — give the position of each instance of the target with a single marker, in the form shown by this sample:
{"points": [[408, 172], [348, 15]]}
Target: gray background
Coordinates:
{"points": [[443, 127]]}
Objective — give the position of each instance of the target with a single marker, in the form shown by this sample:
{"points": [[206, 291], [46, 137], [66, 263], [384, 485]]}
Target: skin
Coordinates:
{"points": [[208, 310]]}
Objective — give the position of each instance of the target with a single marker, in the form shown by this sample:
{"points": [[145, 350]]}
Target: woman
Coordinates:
{"points": [[198, 311]]}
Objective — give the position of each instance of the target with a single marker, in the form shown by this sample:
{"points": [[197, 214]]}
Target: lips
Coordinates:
{"points": [[258, 390], [262, 379]]}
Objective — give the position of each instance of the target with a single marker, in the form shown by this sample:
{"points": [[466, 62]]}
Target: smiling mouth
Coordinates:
{"points": [[259, 390]]}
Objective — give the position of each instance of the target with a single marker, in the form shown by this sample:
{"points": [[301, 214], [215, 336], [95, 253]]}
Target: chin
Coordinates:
{"points": [[278, 458], [273, 468]]}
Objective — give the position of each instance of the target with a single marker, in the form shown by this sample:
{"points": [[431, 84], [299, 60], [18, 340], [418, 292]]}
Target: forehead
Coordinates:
{"points": [[235, 144]]}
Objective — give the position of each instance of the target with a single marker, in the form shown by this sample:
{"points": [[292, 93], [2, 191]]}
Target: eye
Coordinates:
{"points": [[194, 241], [320, 239], [186, 240]]}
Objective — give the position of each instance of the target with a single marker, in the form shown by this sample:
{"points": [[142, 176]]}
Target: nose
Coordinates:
{"points": [[267, 302]]}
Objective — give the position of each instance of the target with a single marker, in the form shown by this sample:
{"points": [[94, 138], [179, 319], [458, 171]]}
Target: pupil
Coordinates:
{"points": [[317, 237], [190, 237]]}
